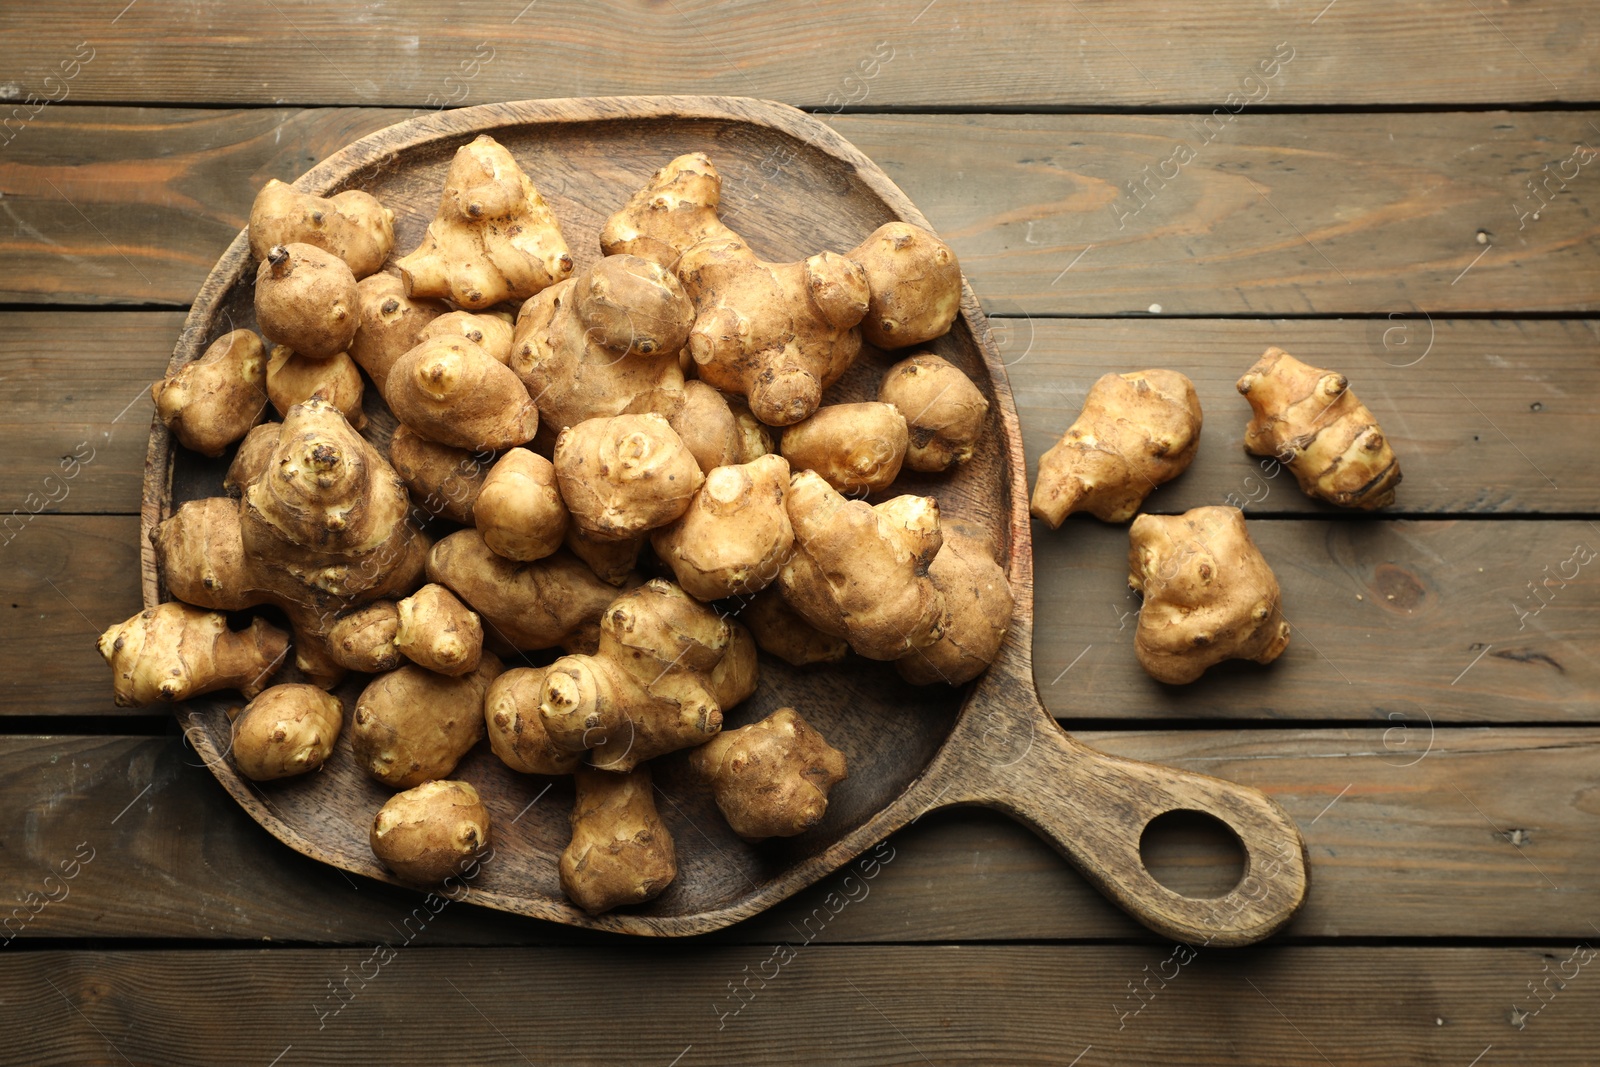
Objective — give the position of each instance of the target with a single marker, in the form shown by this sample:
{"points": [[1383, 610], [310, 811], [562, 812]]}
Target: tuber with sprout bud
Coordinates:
{"points": [[518, 509], [1135, 432], [977, 610], [944, 411], [293, 379], [451, 391], [712, 430], [430, 832], [915, 283], [444, 480], [1310, 421], [516, 731], [489, 330], [286, 730], [675, 210], [412, 725], [391, 324], [771, 778], [214, 401], [351, 225], [736, 533], [620, 852], [437, 631], [624, 476], [306, 300], [1208, 594], [173, 651], [494, 237], [856, 448], [363, 640]]}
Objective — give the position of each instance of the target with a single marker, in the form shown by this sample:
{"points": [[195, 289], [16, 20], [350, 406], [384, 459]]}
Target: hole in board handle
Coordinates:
{"points": [[1192, 853]]}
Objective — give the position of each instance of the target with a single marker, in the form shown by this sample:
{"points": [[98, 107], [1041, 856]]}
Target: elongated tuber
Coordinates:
{"points": [[412, 725], [364, 639], [736, 533], [771, 778], [944, 411], [293, 379], [621, 852], [856, 448], [675, 210], [286, 730], [1135, 432], [516, 731], [1208, 594], [351, 225], [306, 299], [451, 391], [494, 237], [977, 610], [861, 572], [437, 631], [1310, 420], [391, 324], [444, 480], [519, 510], [915, 283], [624, 476], [211, 403], [173, 651], [430, 832]]}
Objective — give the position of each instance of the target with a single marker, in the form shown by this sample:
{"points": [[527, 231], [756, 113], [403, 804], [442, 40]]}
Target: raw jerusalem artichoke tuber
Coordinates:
{"points": [[214, 401], [451, 391], [856, 448], [430, 832], [624, 476], [286, 730], [351, 225], [977, 610], [412, 725], [736, 533], [293, 379], [621, 852], [306, 300], [770, 779], [915, 283], [944, 411], [516, 730], [173, 651], [437, 631], [518, 510]]}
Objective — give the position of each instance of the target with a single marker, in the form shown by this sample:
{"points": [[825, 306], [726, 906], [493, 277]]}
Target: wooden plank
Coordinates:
{"points": [[1277, 214], [955, 1004], [1488, 599], [1412, 832], [829, 54], [1492, 418]]}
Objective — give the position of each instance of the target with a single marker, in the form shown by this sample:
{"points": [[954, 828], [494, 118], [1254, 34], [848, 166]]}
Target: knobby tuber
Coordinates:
{"points": [[624, 476], [413, 725], [444, 480], [306, 299], [286, 730], [944, 411], [351, 225], [736, 533], [781, 630], [675, 210], [856, 448], [516, 730], [915, 283], [437, 631], [214, 401], [363, 640], [621, 852], [293, 379], [771, 778], [451, 391], [391, 325], [977, 610], [430, 832], [173, 652], [518, 509]]}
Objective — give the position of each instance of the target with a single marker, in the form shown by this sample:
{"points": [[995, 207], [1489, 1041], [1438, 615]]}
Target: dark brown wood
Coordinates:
{"points": [[1282, 1006], [1093, 807], [1397, 850], [1277, 214], [828, 54]]}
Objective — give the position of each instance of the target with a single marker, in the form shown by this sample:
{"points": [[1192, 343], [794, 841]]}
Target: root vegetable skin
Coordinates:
{"points": [[915, 282], [944, 411], [735, 535], [391, 325], [1209, 595], [306, 300], [412, 725], [431, 832], [351, 225], [437, 631], [293, 379], [494, 237], [519, 510], [214, 401], [856, 448], [1135, 432], [675, 210], [770, 779], [252, 458], [489, 330], [451, 391], [1310, 420], [364, 639], [172, 652], [977, 610], [861, 572], [285, 731], [783, 632], [443, 480], [613, 562], [621, 852], [516, 732], [624, 476]]}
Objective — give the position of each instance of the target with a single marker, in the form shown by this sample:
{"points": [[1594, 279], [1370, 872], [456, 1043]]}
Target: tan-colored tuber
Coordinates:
{"points": [[771, 778], [1135, 432], [736, 533], [648, 689], [437, 631], [781, 630], [306, 299], [553, 602], [252, 458], [364, 639], [518, 510], [624, 476], [612, 561], [413, 725], [621, 852], [1208, 594], [944, 411], [977, 610], [391, 324], [489, 330], [861, 572], [915, 283], [444, 480], [516, 731], [293, 379], [856, 448], [428, 833], [286, 730], [675, 210], [494, 237], [1310, 420], [451, 391], [713, 432], [172, 652], [351, 225], [211, 403]]}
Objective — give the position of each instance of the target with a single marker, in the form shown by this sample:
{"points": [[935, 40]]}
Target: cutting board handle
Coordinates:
{"points": [[1094, 807]]}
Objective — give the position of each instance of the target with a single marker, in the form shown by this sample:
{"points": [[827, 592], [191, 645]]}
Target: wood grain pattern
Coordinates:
{"points": [[1276, 214], [1487, 407], [1395, 849], [1028, 53], [956, 1004]]}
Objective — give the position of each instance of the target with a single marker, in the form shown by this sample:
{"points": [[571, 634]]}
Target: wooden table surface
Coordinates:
{"points": [[1404, 191]]}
